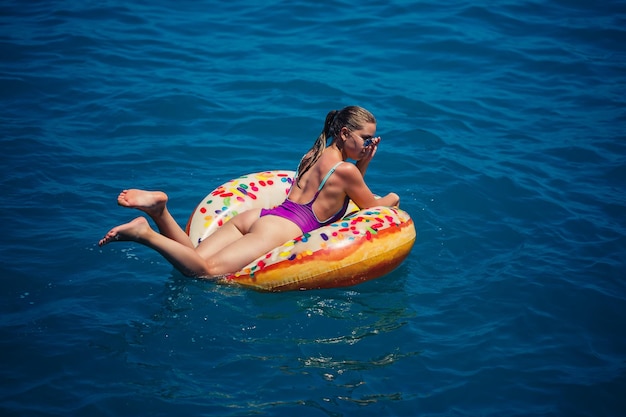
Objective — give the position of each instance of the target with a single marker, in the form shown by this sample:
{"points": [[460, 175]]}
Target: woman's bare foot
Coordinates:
{"points": [[131, 231], [150, 202]]}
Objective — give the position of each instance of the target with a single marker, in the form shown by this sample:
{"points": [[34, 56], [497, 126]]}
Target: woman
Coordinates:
{"points": [[321, 190]]}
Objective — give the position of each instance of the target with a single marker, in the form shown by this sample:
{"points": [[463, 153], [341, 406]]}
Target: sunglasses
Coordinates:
{"points": [[366, 142]]}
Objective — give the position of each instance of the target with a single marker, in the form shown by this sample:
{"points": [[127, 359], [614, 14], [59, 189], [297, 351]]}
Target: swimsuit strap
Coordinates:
{"points": [[327, 176]]}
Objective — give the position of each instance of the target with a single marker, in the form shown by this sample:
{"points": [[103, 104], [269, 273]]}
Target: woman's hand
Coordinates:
{"points": [[368, 153]]}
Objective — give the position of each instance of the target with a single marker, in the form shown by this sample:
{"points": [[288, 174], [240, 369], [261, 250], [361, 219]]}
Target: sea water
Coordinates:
{"points": [[503, 132]]}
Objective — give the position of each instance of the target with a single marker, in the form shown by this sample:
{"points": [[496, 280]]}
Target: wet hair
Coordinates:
{"points": [[352, 117]]}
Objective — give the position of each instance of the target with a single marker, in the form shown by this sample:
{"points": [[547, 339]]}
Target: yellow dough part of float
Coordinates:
{"points": [[364, 245]]}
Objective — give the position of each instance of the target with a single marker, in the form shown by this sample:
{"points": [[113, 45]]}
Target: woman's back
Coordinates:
{"points": [[328, 200]]}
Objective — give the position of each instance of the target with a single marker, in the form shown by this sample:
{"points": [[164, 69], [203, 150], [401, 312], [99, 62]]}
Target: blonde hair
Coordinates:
{"points": [[352, 117]]}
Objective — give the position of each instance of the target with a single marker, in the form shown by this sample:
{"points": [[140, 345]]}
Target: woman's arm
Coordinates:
{"points": [[359, 192]]}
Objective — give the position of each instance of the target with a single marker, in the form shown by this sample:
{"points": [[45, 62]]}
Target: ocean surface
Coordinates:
{"points": [[504, 133]]}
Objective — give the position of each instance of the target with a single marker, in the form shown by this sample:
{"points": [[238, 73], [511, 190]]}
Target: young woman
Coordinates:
{"points": [[319, 196]]}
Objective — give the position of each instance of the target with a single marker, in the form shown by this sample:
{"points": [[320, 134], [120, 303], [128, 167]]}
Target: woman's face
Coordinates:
{"points": [[356, 142]]}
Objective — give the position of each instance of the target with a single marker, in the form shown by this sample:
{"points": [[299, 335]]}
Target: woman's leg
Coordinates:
{"points": [[256, 236], [182, 257], [154, 204]]}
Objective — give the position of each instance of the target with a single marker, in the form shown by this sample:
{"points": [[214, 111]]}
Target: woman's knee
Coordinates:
{"points": [[216, 269]]}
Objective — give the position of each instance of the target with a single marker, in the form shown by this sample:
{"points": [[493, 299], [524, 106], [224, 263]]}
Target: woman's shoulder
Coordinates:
{"points": [[340, 174], [346, 169]]}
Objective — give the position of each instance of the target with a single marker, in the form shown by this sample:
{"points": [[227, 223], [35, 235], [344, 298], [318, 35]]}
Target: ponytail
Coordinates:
{"points": [[311, 157]]}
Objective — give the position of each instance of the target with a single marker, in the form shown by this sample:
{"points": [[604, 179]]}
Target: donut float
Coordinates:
{"points": [[363, 245]]}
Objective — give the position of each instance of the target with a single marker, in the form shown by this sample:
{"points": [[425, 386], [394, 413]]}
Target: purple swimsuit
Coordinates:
{"points": [[302, 214]]}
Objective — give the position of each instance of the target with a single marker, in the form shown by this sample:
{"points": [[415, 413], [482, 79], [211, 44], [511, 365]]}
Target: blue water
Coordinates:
{"points": [[504, 133]]}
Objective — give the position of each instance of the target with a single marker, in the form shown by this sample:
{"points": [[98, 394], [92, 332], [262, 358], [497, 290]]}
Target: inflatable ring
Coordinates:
{"points": [[364, 245]]}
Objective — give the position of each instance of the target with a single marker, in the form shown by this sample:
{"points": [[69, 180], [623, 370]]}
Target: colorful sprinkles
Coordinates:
{"points": [[240, 191], [363, 225]]}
